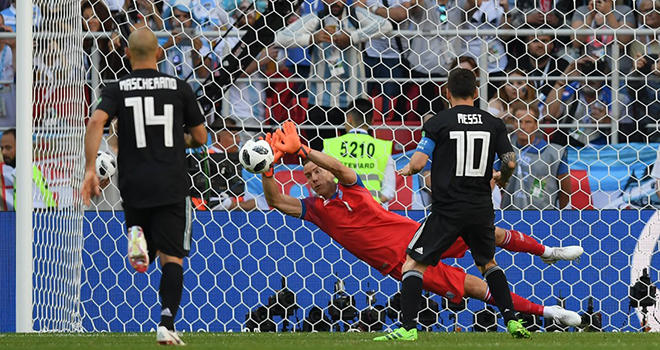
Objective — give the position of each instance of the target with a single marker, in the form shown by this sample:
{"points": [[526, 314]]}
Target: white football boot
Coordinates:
{"points": [[565, 317], [165, 336], [138, 255], [563, 253]]}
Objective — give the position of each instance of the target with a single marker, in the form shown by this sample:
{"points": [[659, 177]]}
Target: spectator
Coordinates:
{"points": [[382, 56], [42, 196], [146, 13], [183, 47], [337, 62], [603, 14], [487, 14], [546, 71], [370, 157], [226, 137], [590, 103], [297, 58], [538, 13], [7, 75], [221, 187], [9, 14], [116, 5], [210, 14], [516, 89], [431, 57], [465, 62], [541, 179], [246, 101], [646, 50]]}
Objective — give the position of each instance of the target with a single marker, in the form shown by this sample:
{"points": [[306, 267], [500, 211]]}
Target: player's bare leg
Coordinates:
{"points": [[171, 287], [476, 288], [516, 241]]}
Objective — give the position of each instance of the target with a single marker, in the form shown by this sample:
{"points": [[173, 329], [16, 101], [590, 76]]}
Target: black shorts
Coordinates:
{"points": [[438, 233], [166, 228]]}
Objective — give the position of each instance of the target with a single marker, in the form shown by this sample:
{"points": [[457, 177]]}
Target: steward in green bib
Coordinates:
{"points": [[369, 157]]}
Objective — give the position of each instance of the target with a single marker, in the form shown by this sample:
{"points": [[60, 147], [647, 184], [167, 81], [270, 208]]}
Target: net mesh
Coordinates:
{"points": [[58, 124], [591, 95]]}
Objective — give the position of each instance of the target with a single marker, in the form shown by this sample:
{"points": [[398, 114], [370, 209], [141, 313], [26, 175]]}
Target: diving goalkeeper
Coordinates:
{"points": [[347, 212]]}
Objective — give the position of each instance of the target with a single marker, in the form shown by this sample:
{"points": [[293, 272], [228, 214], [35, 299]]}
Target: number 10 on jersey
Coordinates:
{"points": [[144, 114], [465, 152]]}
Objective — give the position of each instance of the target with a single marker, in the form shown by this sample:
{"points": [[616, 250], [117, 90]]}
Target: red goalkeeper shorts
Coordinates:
{"points": [[444, 280]]}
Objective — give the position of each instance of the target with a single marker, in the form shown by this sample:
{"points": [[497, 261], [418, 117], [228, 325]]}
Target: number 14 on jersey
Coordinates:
{"points": [[144, 114]]}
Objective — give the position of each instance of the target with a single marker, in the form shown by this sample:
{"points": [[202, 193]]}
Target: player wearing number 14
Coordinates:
{"points": [[463, 142], [153, 111]]}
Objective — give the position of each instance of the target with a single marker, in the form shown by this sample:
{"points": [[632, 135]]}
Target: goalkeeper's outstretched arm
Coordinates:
{"points": [[282, 202], [344, 174]]}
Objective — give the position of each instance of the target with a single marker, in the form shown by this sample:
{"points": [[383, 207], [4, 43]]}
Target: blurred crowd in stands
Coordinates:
{"points": [[553, 90]]}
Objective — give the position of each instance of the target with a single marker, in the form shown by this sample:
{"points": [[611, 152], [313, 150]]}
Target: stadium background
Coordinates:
{"points": [[81, 281]]}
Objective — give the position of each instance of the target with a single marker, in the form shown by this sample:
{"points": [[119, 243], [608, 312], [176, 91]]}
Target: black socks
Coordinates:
{"points": [[499, 289], [411, 295], [171, 287]]}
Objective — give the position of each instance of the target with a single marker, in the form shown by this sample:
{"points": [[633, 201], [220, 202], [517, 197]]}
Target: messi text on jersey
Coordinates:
{"points": [[469, 118]]}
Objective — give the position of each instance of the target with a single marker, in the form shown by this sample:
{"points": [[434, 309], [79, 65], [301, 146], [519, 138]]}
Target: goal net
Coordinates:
{"points": [[580, 105], [58, 124]]}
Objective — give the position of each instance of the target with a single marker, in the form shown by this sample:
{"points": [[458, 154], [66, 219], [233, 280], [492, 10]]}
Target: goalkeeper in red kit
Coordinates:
{"points": [[346, 211]]}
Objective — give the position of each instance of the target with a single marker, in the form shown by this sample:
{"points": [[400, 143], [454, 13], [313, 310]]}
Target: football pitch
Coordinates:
{"points": [[320, 341]]}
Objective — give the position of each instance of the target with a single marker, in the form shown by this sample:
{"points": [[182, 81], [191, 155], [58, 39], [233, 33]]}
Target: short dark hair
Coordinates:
{"points": [[11, 131], [362, 111], [462, 83]]}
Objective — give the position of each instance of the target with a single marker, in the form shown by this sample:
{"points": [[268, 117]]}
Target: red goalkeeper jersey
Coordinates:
{"points": [[362, 226]]}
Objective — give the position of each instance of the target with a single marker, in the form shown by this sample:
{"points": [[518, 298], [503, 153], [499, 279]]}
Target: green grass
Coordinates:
{"points": [[320, 341]]}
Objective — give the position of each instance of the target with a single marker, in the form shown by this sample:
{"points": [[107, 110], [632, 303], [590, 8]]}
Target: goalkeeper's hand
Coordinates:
{"points": [[272, 139], [290, 141]]}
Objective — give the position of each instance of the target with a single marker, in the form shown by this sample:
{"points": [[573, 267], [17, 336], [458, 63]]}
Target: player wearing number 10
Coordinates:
{"points": [[153, 111], [463, 142]]}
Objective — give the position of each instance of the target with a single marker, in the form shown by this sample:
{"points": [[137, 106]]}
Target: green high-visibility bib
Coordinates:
{"points": [[368, 156]]}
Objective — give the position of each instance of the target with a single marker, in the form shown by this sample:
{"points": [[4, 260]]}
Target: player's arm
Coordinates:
{"points": [[193, 118], [90, 186], [197, 136], [506, 154], [282, 202], [508, 166], [344, 174], [419, 158]]}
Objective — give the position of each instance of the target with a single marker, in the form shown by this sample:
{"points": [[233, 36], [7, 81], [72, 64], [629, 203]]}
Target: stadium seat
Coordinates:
{"points": [[580, 190], [404, 194]]}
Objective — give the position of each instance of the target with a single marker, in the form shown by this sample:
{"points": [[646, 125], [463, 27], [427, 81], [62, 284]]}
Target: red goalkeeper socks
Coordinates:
{"points": [[516, 241], [520, 304]]}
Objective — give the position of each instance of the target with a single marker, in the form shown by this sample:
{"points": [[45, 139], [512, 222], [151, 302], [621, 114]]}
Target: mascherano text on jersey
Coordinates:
{"points": [[155, 83]]}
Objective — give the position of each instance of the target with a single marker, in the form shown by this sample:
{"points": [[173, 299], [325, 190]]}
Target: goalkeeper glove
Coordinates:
{"points": [[272, 140], [290, 141]]}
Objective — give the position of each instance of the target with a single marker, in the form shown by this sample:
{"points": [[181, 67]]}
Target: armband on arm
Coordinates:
{"points": [[426, 146]]}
